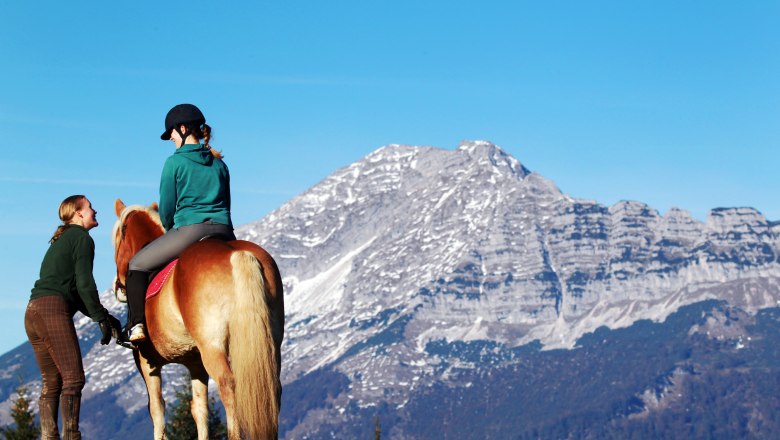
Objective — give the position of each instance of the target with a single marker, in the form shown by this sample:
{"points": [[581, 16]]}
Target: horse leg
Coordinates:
{"points": [[216, 363], [200, 400], [152, 375]]}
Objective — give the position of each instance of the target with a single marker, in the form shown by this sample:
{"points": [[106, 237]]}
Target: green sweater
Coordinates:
{"points": [[67, 271], [194, 188]]}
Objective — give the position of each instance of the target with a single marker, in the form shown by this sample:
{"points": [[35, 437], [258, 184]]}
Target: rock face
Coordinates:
{"points": [[394, 260], [413, 246]]}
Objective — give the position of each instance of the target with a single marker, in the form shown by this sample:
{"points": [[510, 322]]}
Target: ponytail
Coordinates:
{"points": [[60, 230], [215, 153], [68, 209], [204, 133]]}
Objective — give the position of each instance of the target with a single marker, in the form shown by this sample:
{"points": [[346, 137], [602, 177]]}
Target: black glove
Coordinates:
{"points": [[116, 328], [105, 329], [109, 327]]}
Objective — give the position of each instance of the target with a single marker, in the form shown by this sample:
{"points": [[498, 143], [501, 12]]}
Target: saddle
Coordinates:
{"points": [[159, 279]]}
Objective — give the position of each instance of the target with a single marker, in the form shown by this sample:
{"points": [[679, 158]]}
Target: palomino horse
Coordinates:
{"points": [[220, 313]]}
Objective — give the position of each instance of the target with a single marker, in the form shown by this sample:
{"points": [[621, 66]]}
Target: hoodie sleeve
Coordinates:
{"points": [[168, 194]]}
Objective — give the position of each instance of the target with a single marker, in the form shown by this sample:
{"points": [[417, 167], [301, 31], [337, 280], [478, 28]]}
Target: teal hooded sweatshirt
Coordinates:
{"points": [[194, 188]]}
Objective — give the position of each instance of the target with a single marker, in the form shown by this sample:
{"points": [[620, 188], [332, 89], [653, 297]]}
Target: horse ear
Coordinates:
{"points": [[119, 206], [154, 206]]}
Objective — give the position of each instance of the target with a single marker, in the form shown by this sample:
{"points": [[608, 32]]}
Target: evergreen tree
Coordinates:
{"points": [[181, 425], [24, 427]]}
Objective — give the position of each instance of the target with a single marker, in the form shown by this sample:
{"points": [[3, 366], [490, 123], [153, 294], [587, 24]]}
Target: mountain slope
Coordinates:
{"points": [[474, 246]]}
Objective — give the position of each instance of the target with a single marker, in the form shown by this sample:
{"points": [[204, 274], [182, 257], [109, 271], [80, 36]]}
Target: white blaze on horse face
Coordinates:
{"points": [[119, 293]]}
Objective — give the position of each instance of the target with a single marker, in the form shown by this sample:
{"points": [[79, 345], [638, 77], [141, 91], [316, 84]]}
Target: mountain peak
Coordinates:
{"points": [[392, 152], [477, 145], [486, 153]]}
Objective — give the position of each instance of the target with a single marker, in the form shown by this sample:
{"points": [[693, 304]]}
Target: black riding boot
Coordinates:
{"points": [[71, 406], [137, 282]]}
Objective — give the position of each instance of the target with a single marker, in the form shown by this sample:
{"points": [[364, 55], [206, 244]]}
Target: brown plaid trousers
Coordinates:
{"points": [[50, 329]]}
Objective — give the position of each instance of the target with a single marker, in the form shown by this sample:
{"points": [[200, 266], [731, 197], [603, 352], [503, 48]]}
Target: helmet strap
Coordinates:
{"points": [[182, 134]]}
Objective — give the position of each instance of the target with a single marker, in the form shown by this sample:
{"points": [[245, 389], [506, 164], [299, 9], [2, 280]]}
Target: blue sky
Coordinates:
{"points": [[670, 103]]}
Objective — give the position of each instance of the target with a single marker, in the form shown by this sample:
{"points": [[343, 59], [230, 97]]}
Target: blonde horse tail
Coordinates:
{"points": [[252, 351]]}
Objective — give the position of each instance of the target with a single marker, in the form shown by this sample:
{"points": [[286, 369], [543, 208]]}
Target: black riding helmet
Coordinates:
{"points": [[186, 114]]}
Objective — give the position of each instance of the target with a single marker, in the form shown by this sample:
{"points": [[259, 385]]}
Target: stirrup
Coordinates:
{"points": [[137, 333]]}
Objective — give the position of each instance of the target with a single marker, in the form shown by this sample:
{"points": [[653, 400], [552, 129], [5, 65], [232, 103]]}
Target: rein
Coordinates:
{"points": [[123, 229]]}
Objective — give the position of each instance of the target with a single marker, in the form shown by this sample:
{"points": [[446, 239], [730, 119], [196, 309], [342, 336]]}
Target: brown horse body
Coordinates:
{"points": [[221, 314]]}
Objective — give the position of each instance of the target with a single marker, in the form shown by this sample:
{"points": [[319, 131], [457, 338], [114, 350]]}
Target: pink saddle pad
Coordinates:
{"points": [[156, 285]]}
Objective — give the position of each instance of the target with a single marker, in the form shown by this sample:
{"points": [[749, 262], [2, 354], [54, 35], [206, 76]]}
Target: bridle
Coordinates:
{"points": [[123, 229]]}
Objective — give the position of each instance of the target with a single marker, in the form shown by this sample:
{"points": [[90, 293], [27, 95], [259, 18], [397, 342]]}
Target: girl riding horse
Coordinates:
{"points": [[194, 203], [220, 313]]}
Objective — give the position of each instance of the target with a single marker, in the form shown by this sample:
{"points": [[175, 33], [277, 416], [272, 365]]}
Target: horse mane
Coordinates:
{"points": [[150, 211]]}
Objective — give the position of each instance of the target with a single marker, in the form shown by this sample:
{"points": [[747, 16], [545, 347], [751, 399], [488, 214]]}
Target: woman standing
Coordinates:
{"points": [[194, 203], [65, 286]]}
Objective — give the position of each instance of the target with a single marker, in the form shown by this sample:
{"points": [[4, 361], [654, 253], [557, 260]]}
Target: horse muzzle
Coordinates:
{"points": [[120, 293]]}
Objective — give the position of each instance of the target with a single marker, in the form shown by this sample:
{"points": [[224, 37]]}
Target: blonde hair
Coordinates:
{"points": [[68, 209]]}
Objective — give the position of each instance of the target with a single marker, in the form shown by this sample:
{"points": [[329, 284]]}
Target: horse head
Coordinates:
{"points": [[136, 226]]}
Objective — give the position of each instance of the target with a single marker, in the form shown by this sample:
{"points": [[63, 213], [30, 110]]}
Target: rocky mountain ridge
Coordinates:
{"points": [[417, 246]]}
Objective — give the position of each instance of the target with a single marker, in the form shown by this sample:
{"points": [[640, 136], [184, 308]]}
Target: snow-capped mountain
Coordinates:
{"points": [[469, 245], [394, 261], [414, 245]]}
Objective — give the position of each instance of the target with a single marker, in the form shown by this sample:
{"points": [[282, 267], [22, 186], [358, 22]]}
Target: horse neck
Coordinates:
{"points": [[144, 233]]}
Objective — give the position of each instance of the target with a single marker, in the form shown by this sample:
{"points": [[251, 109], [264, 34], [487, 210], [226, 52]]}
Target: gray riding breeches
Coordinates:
{"points": [[164, 249]]}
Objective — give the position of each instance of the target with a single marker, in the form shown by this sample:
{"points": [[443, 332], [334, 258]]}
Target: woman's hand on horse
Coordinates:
{"points": [[107, 327]]}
